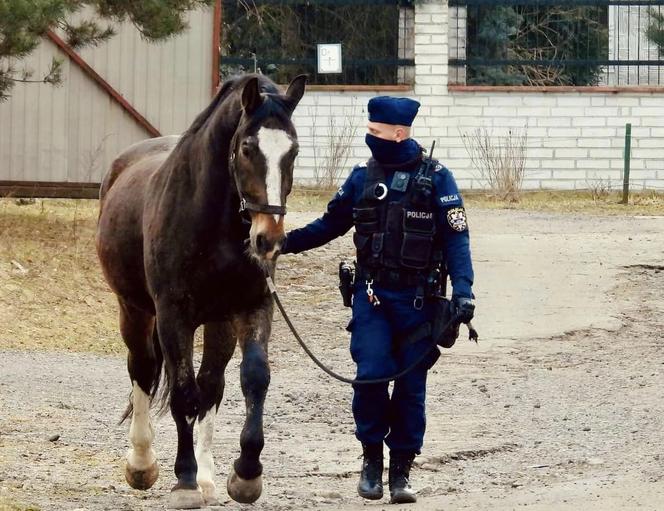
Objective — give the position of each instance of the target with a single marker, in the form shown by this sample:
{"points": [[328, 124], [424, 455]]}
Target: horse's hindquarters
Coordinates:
{"points": [[120, 230]]}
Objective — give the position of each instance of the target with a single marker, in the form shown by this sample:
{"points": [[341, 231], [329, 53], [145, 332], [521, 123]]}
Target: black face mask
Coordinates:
{"points": [[388, 151]]}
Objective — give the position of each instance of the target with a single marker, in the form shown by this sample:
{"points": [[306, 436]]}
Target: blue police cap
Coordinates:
{"points": [[389, 110]]}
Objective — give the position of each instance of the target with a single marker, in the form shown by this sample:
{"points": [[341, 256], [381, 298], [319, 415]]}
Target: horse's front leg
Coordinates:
{"points": [[177, 339], [245, 482], [218, 348]]}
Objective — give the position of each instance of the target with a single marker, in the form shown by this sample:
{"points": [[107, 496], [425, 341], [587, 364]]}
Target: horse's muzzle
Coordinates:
{"points": [[266, 247], [266, 235]]}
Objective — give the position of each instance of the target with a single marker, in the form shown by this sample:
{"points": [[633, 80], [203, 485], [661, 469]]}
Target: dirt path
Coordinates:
{"points": [[559, 407]]}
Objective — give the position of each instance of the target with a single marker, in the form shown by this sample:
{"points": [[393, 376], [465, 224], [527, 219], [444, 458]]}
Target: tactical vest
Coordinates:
{"points": [[397, 238]]}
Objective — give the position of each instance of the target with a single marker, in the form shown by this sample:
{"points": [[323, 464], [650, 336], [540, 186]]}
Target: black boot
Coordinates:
{"points": [[371, 477], [400, 490]]}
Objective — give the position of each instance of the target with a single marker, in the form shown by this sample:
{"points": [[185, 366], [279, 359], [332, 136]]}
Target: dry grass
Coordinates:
{"points": [[581, 201], [53, 297], [500, 160], [52, 294], [11, 505]]}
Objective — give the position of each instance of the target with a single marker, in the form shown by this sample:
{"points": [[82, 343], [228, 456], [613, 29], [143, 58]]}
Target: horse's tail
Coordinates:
{"points": [[160, 392]]}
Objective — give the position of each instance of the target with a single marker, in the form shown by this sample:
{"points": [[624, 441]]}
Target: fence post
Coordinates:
{"points": [[628, 150]]}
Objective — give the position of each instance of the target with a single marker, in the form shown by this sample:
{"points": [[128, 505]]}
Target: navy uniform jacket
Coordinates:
{"points": [[338, 219]]}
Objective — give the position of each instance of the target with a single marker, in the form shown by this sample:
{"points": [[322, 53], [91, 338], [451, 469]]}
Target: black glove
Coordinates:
{"points": [[464, 308]]}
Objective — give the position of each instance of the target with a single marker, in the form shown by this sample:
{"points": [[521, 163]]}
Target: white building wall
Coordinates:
{"points": [[574, 139]]}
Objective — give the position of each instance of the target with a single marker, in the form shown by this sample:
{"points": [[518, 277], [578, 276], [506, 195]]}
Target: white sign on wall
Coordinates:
{"points": [[329, 58]]}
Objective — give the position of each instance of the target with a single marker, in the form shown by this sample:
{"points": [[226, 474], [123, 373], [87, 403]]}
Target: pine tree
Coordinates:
{"points": [[282, 37], [539, 33], [655, 30], [23, 23]]}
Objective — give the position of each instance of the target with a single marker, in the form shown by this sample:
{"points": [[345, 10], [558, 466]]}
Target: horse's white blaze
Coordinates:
{"points": [[204, 449], [141, 434], [274, 144]]}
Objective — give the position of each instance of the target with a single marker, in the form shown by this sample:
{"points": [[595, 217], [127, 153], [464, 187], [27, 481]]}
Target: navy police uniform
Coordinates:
{"points": [[397, 242]]}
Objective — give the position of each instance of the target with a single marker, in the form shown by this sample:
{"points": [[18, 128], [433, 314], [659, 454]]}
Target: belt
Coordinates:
{"points": [[390, 278]]}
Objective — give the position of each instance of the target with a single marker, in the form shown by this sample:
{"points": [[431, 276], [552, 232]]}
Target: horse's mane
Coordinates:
{"points": [[235, 83]]}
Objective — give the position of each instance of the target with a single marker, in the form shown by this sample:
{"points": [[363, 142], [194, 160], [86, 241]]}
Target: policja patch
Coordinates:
{"points": [[456, 217]]}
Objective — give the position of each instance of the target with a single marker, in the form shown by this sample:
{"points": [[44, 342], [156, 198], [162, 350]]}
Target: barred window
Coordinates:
{"points": [[556, 42], [281, 37]]}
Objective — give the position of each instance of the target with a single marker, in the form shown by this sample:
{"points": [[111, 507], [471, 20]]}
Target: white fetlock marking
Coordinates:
{"points": [[204, 459], [141, 456]]}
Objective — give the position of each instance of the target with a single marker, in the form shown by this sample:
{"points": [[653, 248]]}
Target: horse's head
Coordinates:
{"points": [[262, 159]]}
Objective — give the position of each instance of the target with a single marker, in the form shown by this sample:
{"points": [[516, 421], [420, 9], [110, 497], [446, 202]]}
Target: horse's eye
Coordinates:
{"points": [[247, 148]]}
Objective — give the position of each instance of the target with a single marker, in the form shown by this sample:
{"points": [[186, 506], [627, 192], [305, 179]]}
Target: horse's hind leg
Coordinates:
{"points": [[218, 348], [144, 365], [245, 483]]}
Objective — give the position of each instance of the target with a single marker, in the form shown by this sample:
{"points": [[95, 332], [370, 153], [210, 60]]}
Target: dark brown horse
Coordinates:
{"points": [[173, 246]]}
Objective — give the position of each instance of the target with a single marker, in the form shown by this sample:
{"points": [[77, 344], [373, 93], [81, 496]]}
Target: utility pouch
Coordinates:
{"points": [[444, 337], [346, 280], [442, 315]]}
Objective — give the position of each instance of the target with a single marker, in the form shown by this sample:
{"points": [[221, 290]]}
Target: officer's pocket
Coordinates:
{"points": [[416, 250], [361, 241], [365, 219], [418, 221]]}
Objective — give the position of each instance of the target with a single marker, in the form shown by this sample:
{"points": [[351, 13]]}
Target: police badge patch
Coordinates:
{"points": [[456, 217]]}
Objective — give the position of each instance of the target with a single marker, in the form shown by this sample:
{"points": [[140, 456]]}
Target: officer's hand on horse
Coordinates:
{"points": [[464, 308]]}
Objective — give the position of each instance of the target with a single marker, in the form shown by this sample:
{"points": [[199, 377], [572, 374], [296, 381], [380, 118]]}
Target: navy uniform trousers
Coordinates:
{"points": [[399, 420]]}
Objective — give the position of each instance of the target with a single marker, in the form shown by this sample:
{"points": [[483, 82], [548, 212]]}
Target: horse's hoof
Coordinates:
{"points": [[242, 490], [209, 493], [185, 499], [142, 479]]}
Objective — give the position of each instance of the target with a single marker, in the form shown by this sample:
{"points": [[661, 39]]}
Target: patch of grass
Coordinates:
{"points": [[52, 293], [310, 199], [578, 202], [10, 505]]}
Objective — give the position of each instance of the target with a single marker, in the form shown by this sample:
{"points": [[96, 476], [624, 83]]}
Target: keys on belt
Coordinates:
{"points": [[373, 298]]}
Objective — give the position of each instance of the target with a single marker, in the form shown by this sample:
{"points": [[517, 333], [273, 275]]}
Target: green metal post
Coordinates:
{"points": [[628, 150]]}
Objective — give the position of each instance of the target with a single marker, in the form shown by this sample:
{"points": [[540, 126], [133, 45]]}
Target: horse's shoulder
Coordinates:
{"points": [[135, 153]]}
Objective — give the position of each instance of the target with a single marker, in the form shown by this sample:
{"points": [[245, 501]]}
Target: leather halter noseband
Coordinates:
{"points": [[245, 205]]}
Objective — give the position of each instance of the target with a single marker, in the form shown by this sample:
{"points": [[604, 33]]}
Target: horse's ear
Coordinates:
{"points": [[295, 89], [251, 96]]}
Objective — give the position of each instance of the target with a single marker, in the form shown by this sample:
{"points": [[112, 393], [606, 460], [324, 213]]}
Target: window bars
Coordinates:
{"points": [[280, 37], [557, 42]]}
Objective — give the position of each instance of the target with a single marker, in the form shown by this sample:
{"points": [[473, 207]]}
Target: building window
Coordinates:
{"points": [[555, 43], [280, 39]]}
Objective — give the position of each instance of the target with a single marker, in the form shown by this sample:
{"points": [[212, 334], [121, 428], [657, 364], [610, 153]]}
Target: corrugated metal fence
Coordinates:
{"points": [[65, 137]]}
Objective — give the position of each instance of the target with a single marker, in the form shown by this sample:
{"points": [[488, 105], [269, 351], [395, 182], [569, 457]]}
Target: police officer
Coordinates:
{"points": [[409, 223]]}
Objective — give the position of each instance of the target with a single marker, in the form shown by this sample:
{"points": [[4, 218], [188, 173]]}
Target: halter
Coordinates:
{"points": [[245, 205]]}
